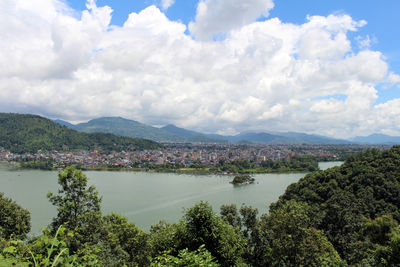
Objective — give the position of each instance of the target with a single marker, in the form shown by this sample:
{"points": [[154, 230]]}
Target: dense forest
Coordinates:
{"points": [[347, 215], [20, 133]]}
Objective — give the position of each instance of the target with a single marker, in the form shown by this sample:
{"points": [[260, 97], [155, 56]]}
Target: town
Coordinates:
{"points": [[187, 155]]}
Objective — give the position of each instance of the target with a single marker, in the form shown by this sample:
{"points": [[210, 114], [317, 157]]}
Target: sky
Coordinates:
{"points": [[217, 66]]}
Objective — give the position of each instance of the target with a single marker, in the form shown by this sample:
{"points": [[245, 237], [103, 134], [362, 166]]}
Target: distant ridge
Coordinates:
{"points": [[125, 127], [172, 133], [64, 123], [302, 138], [190, 135], [377, 139]]}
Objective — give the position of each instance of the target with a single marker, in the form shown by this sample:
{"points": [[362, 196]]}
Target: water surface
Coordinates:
{"points": [[145, 198]]}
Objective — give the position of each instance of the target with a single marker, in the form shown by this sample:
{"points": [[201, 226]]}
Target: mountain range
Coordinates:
{"points": [[377, 139], [172, 133]]}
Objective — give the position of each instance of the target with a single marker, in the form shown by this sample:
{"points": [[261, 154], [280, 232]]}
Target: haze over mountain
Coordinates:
{"points": [[172, 133], [377, 139]]}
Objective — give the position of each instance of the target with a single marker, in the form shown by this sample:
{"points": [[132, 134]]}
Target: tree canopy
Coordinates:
{"points": [[14, 220]]}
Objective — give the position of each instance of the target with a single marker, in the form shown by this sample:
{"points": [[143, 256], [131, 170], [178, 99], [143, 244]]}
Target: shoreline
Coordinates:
{"points": [[190, 171]]}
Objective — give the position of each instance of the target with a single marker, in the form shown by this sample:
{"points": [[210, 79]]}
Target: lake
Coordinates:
{"points": [[146, 198]]}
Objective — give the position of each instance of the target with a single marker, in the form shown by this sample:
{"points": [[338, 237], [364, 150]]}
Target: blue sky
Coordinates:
{"points": [[216, 66]]}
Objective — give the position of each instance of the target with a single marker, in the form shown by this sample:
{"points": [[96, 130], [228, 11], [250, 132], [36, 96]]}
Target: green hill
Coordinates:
{"points": [[125, 127], [29, 133], [348, 200]]}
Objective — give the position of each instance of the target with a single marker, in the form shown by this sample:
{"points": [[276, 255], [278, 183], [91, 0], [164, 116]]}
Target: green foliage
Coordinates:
{"points": [[249, 220], [205, 227], [22, 133], [389, 255], [44, 251], [198, 258], [243, 179], [15, 221], [230, 214], [295, 164], [43, 164], [286, 238], [199, 226], [78, 207], [367, 186], [166, 237], [123, 242]]}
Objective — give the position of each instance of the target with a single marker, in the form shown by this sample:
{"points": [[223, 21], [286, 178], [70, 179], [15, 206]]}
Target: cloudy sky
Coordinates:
{"points": [[218, 66]]}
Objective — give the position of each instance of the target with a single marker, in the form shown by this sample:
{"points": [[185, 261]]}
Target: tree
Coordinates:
{"points": [[124, 242], [78, 206], [198, 258], [166, 237], [203, 227], [249, 219], [286, 238], [15, 221], [230, 214]]}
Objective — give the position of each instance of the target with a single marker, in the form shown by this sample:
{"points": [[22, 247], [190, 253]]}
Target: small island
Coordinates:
{"points": [[242, 179]]}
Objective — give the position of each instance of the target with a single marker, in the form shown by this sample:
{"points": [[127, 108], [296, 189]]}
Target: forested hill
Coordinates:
{"points": [[357, 205], [125, 127], [29, 133]]}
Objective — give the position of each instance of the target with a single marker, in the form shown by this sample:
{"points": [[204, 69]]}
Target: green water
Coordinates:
{"points": [[144, 198]]}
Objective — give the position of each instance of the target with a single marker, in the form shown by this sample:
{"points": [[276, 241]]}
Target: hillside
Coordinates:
{"points": [[302, 138], [188, 135], [29, 133], [125, 127], [347, 199]]}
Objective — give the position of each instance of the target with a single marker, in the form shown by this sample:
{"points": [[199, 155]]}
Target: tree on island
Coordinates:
{"points": [[242, 179]]}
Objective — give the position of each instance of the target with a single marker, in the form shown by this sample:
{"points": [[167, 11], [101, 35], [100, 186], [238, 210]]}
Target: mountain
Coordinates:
{"points": [[125, 127], [172, 133], [302, 138], [191, 136], [261, 138], [64, 123], [279, 138], [377, 139], [21, 133]]}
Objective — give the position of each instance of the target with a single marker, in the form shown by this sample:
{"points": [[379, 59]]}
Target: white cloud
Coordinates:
{"points": [[270, 75], [365, 42], [215, 17], [165, 4], [394, 79]]}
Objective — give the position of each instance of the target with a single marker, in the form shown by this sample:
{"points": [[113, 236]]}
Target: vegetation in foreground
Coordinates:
{"points": [[346, 215]]}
